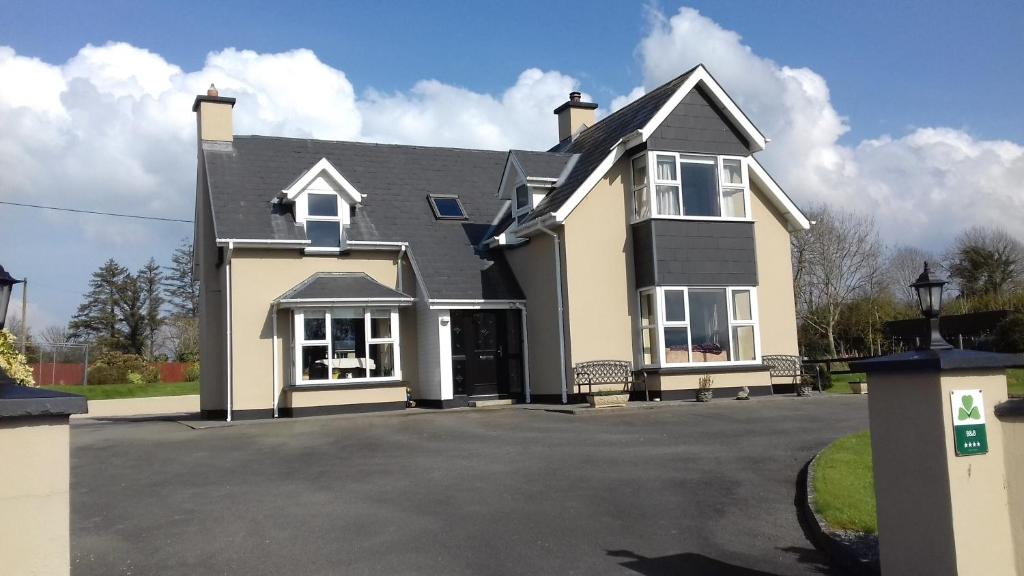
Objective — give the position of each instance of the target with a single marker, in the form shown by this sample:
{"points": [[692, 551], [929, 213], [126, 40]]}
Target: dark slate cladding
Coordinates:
{"points": [[594, 143], [697, 253], [541, 164], [247, 175], [643, 255], [341, 285], [697, 125]]}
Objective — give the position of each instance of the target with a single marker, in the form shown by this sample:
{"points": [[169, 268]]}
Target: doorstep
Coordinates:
{"points": [[490, 402]]}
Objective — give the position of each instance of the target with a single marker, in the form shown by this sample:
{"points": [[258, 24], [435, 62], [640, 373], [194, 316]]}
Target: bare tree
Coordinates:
{"points": [[902, 268], [56, 335], [835, 261]]}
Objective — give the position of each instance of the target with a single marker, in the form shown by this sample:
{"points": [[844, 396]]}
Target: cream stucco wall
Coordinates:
{"points": [[212, 319], [213, 121], [776, 303], [1013, 438], [669, 382], [258, 276], [34, 496], [310, 397], [937, 513], [534, 267]]}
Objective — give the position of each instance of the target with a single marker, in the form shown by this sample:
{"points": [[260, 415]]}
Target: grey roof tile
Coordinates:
{"points": [[542, 164], [323, 285]]}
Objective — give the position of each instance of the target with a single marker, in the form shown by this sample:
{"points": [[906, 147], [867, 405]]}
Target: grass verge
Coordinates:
{"points": [[1014, 382], [844, 484], [118, 391]]}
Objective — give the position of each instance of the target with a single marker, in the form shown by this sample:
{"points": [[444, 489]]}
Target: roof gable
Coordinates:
{"points": [[325, 168]]}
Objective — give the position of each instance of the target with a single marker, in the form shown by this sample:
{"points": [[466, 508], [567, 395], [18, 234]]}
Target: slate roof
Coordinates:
{"points": [[594, 143], [541, 164], [245, 177], [341, 285]]}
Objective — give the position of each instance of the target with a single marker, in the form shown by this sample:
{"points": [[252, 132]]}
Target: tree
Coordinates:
{"points": [[98, 317], [182, 336], [837, 260], [903, 266], [132, 314], [986, 261], [181, 284], [150, 280]]}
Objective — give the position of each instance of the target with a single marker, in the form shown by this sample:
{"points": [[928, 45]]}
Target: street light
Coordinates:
{"points": [[929, 296], [6, 283]]}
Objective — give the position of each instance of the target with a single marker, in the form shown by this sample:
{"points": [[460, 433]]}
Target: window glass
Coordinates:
{"points": [[313, 326], [732, 171], [743, 339], [700, 189], [667, 168], [647, 345], [380, 324], [677, 346], [314, 366], [522, 196], [447, 207], [732, 203], [348, 343], [641, 203], [647, 308], [709, 321], [741, 305], [322, 205], [382, 360], [675, 306], [639, 171], [323, 234], [668, 200]]}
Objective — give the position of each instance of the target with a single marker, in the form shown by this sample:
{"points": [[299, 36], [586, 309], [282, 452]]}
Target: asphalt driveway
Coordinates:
{"points": [[688, 489]]}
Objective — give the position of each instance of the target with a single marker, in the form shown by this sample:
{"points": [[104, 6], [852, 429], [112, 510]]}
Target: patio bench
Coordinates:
{"points": [[790, 367], [607, 372]]}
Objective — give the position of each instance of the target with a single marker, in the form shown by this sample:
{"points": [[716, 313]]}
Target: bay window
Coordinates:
{"points": [[689, 326], [689, 186], [344, 344]]}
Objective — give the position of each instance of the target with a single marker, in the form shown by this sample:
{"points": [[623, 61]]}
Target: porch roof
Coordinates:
{"points": [[342, 289]]}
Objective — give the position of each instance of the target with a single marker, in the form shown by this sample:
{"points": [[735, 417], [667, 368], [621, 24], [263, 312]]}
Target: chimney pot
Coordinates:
{"points": [[212, 91], [574, 96]]}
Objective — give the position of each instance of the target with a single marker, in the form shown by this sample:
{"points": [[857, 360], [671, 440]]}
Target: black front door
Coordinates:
{"points": [[486, 352]]}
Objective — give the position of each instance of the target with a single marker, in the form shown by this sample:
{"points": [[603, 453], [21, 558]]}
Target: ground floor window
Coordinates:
{"points": [[339, 345], [698, 326]]}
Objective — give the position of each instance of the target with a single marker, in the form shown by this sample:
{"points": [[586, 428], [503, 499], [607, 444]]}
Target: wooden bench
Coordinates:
{"points": [[607, 372], [790, 367]]}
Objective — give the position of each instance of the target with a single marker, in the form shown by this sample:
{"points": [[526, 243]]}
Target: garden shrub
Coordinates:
{"points": [[150, 374], [113, 368], [134, 378], [192, 372], [1009, 335], [12, 362]]}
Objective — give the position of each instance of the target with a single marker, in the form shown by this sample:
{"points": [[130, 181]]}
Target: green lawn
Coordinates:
{"points": [[841, 383], [1014, 381], [844, 486], [115, 391]]}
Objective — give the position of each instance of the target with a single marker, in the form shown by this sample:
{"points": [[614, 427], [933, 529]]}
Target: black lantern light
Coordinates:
{"points": [[929, 296], [6, 283]]}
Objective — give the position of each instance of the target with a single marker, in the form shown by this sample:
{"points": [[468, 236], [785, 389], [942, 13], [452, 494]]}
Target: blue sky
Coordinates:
{"points": [[902, 105], [890, 64]]}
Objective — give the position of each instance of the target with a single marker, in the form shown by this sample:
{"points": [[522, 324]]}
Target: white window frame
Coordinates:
{"points": [[645, 186], [663, 323], [299, 341], [343, 218], [654, 327], [680, 157], [523, 211]]}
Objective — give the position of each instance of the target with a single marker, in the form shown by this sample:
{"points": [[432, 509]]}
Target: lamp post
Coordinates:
{"points": [[929, 296], [6, 283]]}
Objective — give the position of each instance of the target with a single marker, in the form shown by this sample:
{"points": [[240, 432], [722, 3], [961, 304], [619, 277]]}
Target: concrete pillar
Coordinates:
{"points": [[34, 479], [939, 512]]}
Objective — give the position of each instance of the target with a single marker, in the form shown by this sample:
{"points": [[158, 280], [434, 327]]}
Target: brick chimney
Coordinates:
{"points": [[213, 116], [574, 115]]}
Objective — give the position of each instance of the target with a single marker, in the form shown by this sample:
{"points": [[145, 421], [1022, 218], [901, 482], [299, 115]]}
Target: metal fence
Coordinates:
{"points": [[63, 364]]}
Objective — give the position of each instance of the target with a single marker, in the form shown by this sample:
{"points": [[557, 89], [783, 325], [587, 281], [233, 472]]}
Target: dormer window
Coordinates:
{"points": [[689, 186], [523, 203], [446, 207], [323, 220]]}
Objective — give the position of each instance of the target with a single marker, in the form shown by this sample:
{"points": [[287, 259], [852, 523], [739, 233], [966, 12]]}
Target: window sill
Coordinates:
{"points": [[717, 368], [325, 251], [346, 385], [695, 219]]}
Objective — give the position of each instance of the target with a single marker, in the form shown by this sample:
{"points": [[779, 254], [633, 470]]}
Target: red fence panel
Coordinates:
{"points": [[58, 374], [172, 371]]}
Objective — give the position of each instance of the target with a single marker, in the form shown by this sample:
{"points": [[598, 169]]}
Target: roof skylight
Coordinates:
{"points": [[446, 207]]}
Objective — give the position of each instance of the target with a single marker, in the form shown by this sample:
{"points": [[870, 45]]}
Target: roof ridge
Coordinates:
{"points": [[378, 144]]}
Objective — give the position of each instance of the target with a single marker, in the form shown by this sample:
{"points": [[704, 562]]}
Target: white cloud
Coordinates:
{"points": [[922, 187]]}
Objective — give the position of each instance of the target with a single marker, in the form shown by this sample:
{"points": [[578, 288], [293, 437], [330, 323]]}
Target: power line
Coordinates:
{"points": [[95, 212]]}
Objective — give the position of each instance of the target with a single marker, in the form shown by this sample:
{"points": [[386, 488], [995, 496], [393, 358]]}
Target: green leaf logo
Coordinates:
{"points": [[968, 411]]}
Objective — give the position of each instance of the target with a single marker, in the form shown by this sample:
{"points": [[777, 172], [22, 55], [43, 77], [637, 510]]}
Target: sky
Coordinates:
{"points": [[902, 110]]}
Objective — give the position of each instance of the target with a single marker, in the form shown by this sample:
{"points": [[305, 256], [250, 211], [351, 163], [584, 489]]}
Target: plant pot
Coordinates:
{"points": [[859, 387], [804, 390], [607, 400], [704, 395]]}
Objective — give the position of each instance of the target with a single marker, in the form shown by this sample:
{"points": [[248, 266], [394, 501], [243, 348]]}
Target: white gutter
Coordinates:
{"points": [[273, 324], [401, 254], [230, 344], [561, 313]]}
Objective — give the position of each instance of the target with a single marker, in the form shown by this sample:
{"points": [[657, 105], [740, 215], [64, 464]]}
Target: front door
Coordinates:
{"points": [[486, 352]]}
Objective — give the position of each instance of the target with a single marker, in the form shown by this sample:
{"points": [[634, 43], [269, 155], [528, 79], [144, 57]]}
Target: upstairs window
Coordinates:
{"points": [[323, 220], [446, 207], [689, 186], [523, 204]]}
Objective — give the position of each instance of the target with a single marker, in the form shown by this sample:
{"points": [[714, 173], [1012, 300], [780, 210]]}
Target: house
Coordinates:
{"points": [[335, 275]]}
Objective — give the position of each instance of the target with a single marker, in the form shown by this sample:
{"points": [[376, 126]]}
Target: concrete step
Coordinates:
{"points": [[488, 403]]}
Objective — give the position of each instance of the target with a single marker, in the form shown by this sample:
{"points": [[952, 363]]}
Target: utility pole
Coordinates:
{"points": [[24, 309]]}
